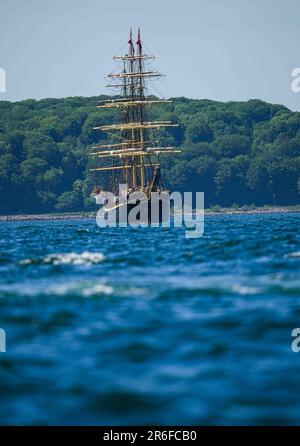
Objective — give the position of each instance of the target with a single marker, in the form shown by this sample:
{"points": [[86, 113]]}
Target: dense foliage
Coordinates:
{"points": [[236, 152]]}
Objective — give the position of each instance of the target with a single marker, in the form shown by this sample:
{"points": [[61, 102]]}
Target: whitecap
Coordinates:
{"points": [[97, 289], [244, 290], [70, 258], [64, 289], [26, 262], [83, 289], [293, 254]]}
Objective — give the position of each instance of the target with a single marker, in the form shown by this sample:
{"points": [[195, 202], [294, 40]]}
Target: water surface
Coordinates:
{"points": [[144, 326]]}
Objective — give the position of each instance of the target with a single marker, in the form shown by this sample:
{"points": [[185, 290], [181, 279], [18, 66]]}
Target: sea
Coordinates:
{"points": [[134, 326]]}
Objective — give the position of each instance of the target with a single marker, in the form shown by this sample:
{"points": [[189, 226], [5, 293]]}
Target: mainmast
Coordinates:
{"points": [[141, 107], [135, 149]]}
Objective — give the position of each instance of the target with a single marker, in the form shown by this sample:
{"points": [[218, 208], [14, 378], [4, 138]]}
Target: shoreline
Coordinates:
{"points": [[42, 217], [92, 215]]}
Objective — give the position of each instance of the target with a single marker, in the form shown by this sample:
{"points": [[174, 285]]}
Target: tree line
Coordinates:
{"points": [[236, 152]]}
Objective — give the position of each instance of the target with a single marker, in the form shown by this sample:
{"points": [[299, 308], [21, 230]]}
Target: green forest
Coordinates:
{"points": [[240, 153]]}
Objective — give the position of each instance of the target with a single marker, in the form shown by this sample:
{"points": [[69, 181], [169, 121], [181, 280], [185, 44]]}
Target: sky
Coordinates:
{"points": [[226, 50]]}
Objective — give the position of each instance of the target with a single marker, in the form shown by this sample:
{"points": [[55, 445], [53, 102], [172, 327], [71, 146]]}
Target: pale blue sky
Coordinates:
{"points": [[216, 49]]}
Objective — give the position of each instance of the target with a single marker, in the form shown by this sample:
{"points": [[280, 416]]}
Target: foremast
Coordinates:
{"points": [[136, 151]]}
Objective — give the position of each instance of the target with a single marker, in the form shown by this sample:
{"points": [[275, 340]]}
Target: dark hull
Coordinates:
{"points": [[152, 211]]}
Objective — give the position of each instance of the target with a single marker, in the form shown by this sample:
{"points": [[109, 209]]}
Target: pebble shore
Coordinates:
{"points": [[91, 215]]}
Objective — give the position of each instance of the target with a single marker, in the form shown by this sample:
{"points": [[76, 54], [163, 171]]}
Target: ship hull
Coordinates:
{"points": [[152, 211]]}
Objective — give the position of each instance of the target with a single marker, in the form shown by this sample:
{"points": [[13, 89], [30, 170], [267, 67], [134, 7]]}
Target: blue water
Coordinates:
{"points": [[142, 326]]}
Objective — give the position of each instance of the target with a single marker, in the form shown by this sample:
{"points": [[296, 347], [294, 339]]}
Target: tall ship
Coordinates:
{"points": [[135, 155]]}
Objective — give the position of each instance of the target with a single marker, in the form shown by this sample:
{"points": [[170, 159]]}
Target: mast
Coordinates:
{"points": [[131, 72], [135, 150], [141, 98]]}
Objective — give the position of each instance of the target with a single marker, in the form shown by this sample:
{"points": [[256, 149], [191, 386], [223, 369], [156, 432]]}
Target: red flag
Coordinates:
{"points": [[131, 44], [130, 37], [139, 42]]}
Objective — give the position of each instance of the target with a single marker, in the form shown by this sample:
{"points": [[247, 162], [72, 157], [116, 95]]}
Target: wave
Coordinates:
{"points": [[64, 289], [293, 254], [71, 289], [246, 290], [82, 289], [91, 289], [71, 258]]}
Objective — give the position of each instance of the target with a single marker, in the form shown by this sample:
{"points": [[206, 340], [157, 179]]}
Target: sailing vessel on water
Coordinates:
{"points": [[135, 156]]}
